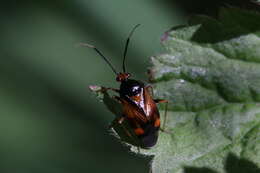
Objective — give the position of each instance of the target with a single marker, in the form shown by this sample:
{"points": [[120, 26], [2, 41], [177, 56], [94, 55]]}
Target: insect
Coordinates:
{"points": [[139, 108]]}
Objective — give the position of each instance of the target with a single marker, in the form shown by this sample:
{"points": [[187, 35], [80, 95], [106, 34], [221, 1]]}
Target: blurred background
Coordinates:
{"points": [[49, 120]]}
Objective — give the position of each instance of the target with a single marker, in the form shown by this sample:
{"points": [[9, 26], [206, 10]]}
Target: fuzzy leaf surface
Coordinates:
{"points": [[210, 75]]}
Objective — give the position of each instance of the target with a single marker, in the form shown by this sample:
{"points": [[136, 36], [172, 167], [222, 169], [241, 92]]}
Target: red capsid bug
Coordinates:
{"points": [[139, 109]]}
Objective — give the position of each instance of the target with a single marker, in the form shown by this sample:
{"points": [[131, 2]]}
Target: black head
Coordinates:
{"points": [[131, 87]]}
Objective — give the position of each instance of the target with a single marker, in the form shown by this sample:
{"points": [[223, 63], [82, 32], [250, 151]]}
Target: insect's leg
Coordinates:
{"points": [[121, 120], [150, 88], [118, 99], [112, 89], [160, 101], [165, 112], [127, 132]]}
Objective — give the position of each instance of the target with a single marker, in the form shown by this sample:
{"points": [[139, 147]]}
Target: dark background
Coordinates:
{"points": [[49, 120]]}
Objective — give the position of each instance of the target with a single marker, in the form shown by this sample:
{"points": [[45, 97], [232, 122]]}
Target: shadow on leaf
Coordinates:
{"points": [[235, 165], [231, 23], [198, 170]]}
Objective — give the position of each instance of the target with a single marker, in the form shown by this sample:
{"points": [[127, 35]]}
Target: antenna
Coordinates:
{"points": [[126, 45], [93, 47]]}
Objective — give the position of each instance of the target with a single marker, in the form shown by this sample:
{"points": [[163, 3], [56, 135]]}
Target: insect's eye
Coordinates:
{"points": [[135, 90]]}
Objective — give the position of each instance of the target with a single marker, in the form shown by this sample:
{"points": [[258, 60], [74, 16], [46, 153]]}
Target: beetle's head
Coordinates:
{"points": [[122, 77]]}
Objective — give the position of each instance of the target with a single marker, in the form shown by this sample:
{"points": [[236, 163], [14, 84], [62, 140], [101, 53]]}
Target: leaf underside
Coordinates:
{"points": [[211, 77]]}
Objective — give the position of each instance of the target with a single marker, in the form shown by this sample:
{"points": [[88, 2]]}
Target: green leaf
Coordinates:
{"points": [[211, 77]]}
